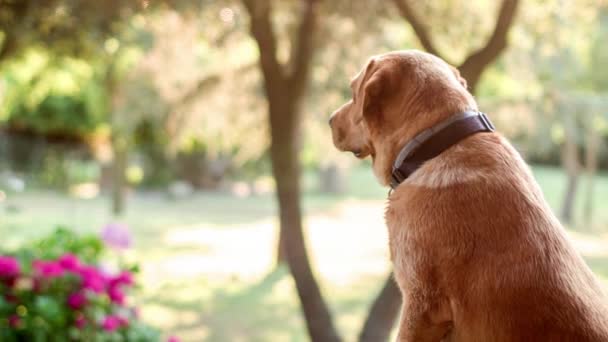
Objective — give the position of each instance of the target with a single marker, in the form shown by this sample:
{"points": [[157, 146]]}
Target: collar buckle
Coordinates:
{"points": [[486, 122], [396, 178]]}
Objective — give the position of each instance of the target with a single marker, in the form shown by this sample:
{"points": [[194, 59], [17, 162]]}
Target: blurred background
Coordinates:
{"points": [[201, 128]]}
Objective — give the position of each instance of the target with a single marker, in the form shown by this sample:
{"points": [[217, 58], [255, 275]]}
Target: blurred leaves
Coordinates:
{"points": [[185, 70], [88, 247]]}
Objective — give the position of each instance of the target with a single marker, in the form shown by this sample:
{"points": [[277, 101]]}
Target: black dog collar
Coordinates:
{"points": [[432, 141]]}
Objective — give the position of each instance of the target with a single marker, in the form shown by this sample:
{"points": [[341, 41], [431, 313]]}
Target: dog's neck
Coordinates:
{"points": [[431, 142], [394, 143]]}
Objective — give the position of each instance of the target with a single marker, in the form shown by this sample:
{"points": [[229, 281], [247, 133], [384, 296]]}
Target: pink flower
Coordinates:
{"points": [[80, 322], [123, 321], [9, 267], [116, 235], [116, 295], [124, 278], [111, 323], [69, 262], [9, 270], [92, 279], [77, 300], [115, 284], [173, 339], [47, 269], [14, 321]]}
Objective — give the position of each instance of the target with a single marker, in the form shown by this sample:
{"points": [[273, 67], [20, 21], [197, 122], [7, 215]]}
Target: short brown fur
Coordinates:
{"points": [[477, 252]]}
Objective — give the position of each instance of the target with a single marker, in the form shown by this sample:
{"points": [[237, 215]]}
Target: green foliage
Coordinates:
{"points": [[48, 95], [88, 248], [55, 114]]}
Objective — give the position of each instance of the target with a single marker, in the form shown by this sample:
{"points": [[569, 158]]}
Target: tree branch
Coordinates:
{"points": [[8, 46], [419, 28], [176, 117], [383, 313], [201, 86], [302, 56], [262, 31], [209, 82], [476, 62]]}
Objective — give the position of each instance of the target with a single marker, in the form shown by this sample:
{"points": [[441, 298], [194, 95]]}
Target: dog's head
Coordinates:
{"points": [[395, 96]]}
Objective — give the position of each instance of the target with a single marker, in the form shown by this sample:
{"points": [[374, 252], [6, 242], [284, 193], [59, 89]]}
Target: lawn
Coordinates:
{"points": [[207, 260]]}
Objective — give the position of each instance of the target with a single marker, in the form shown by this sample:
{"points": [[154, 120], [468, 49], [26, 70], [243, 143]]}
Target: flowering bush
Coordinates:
{"points": [[56, 290]]}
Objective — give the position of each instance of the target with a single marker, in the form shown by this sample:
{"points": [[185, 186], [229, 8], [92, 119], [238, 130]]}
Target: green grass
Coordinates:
{"points": [[207, 260], [553, 183]]}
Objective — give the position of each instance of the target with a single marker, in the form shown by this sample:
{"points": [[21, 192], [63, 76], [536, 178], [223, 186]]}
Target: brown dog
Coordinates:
{"points": [[477, 253]]}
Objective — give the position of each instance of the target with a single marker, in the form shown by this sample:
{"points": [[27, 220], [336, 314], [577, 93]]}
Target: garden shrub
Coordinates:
{"points": [[56, 289]]}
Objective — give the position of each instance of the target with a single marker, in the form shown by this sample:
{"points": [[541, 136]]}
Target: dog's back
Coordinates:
{"points": [[477, 220]]}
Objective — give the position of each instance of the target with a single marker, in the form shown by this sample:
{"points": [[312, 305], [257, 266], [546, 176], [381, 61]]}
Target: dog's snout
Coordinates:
{"points": [[331, 118]]}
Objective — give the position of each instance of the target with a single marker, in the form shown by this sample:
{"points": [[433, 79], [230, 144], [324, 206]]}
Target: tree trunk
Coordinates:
{"points": [[286, 170], [570, 161], [281, 253], [472, 74], [332, 179], [119, 181], [591, 161], [285, 87], [569, 198], [383, 313], [119, 144]]}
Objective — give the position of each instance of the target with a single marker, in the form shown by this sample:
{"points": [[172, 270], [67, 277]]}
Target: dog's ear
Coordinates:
{"points": [[459, 78], [374, 95]]}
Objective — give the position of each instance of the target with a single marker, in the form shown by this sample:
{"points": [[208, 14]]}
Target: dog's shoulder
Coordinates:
{"points": [[479, 186]]}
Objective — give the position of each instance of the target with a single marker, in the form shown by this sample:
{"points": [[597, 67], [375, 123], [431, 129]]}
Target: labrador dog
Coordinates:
{"points": [[477, 252]]}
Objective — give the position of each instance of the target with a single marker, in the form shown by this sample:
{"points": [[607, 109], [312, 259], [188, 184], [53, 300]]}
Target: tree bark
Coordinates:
{"points": [[281, 249], [382, 314]]}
